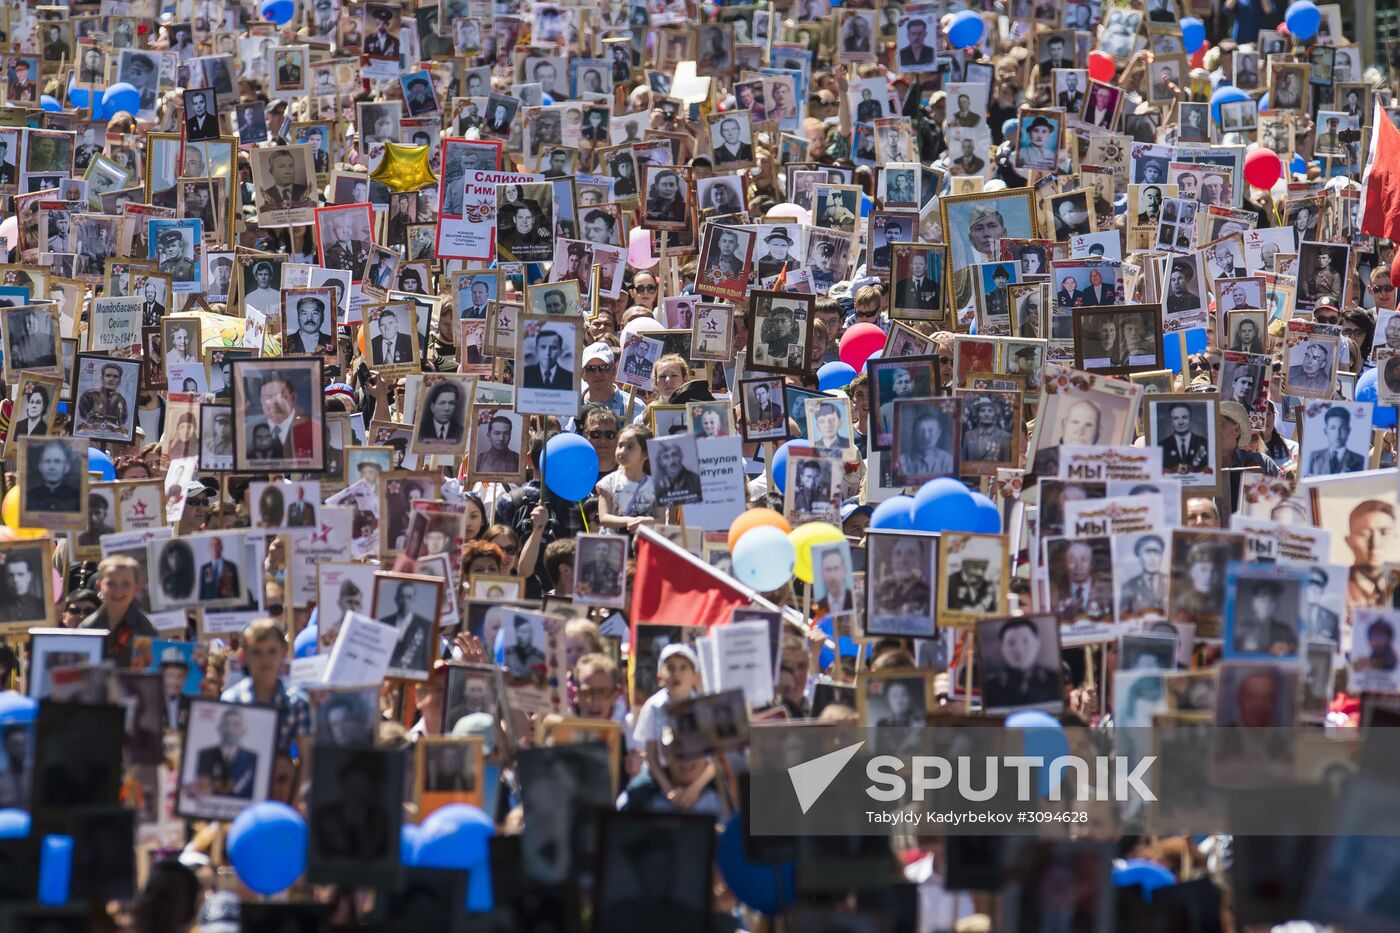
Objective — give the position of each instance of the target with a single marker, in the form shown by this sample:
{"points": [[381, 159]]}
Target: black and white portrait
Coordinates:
{"points": [[1020, 663], [227, 765]]}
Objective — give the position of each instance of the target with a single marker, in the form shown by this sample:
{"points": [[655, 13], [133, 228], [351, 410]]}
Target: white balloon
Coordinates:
{"points": [[764, 558]]}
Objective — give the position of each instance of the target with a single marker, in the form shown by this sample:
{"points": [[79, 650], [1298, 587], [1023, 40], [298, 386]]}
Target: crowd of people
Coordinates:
{"points": [[526, 410]]}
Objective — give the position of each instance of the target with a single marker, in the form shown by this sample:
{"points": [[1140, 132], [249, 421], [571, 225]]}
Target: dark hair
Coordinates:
{"points": [[1017, 622]]}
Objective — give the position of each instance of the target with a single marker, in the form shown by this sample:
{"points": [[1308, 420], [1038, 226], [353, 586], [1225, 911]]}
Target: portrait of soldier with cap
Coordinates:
{"points": [[382, 43], [1145, 592], [418, 94], [173, 256], [1266, 614], [974, 586], [1038, 143]]}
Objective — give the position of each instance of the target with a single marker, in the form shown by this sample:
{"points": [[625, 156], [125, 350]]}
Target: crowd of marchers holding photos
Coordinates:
{"points": [[446, 444]]}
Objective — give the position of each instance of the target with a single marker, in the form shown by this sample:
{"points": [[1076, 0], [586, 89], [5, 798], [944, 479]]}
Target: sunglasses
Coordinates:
{"points": [[871, 313], [603, 435], [644, 289], [596, 369], [1383, 289]]}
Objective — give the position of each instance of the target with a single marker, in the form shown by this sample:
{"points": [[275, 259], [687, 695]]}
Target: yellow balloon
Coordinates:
{"points": [[404, 168], [9, 513], [803, 537]]}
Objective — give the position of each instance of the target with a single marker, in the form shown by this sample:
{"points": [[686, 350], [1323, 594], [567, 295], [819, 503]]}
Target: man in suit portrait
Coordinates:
{"points": [[199, 122], [1258, 629], [1336, 458], [1321, 622], [218, 578], [969, 162], [301, 514], [919, 290], [764, 409], [292, 430], [308, 338], [916, 52], [284, 192], [289, 69], [546, 372], [229, 768], [412, 651], [25, 589], [1055, 56], [733, 149], [1147, 591], [1183, 450], [1081, 595], [390, 347], [445, 413], [1071, 99]]}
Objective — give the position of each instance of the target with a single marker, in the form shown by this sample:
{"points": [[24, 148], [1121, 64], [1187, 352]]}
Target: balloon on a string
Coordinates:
{"points": [[1382, 416], [1262, 167], [1303, 19], [858, 343], [277, 11], [639, 255], [570, 467], [895, 514], [48, 103]]}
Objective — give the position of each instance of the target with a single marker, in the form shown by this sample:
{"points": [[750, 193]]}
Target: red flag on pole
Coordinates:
{"points": [[1380, 181], [674, 586]]}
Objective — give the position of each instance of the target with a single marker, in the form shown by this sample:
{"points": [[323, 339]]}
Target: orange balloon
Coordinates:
{"points": [[360, 339], [752, 519]]}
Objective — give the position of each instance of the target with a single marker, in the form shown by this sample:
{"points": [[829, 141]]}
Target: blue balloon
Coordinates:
{"points": [[55, 870], [965, 29], [895, 513], [1264, 102], [1144, 872], [99, 462], [304, 645], [1303, 18], [780, 462], [846, 644], [546, 100], [17, 709], [267, 846], [410, 835], [1224, 94], [835, 375], [764, 887], [988, 520], [1193, 34], [14, 823], [944, 504], [121, 98], [1382, 416], [454, 837], [570, 467], [48, 103], [277, 11], [78, 97], [866, 205], [1299, 165], [1043, 738]]}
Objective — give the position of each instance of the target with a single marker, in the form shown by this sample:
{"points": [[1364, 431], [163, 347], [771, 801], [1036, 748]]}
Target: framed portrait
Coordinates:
{"points": [[106, 394], [355, 814], [548, 348], [1118, 340], [975, 572], [1186, 428], [712, 332], [916, 38], [391, 331], [31, 334], [1019, 660], [449, 770], [54, 480], [201, 115], [411, 604], [308, 321], [35, 404], [1289, 86], [725, 257], [215, 437], [1080, 409], [836, 207], [926, 439], [1199, 560], [1264, 606], [675, 470], [991, 435], [1335, 437], [731, 139], [813, 489], [780, 332], [1038, 139], [441, 422], [600, 570], [203, 569], [763, 408], [226, 758], [666, 206], [899, 598], [974, 223], [1310, 359], [895, 379], [918, 283], [279, 405]]}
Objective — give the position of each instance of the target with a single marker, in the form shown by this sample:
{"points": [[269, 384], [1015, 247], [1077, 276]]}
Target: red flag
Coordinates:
{"points": [[676, 587], [1380, 182]]}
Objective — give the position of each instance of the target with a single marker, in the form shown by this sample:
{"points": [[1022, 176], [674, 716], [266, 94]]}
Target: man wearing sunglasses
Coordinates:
{"points": [[599, 386]]}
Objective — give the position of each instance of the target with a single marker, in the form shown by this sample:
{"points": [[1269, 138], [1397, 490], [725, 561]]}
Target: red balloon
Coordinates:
{"points": [[1101, 66], [1262, 167], [858, 343], [1198, 57]]}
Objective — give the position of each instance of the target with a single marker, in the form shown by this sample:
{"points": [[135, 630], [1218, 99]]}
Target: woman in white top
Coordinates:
{"points": [[627, 495]]}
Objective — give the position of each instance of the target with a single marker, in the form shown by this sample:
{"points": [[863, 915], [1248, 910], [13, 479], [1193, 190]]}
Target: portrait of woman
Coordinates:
{"points": [[262, 446], [33, 405], [185, 444], [665, 200], [179, 351]]}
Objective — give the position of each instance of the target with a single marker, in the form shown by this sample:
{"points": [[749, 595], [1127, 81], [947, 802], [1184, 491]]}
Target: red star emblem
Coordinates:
{"points": [[323, 536], [139, 508]]}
